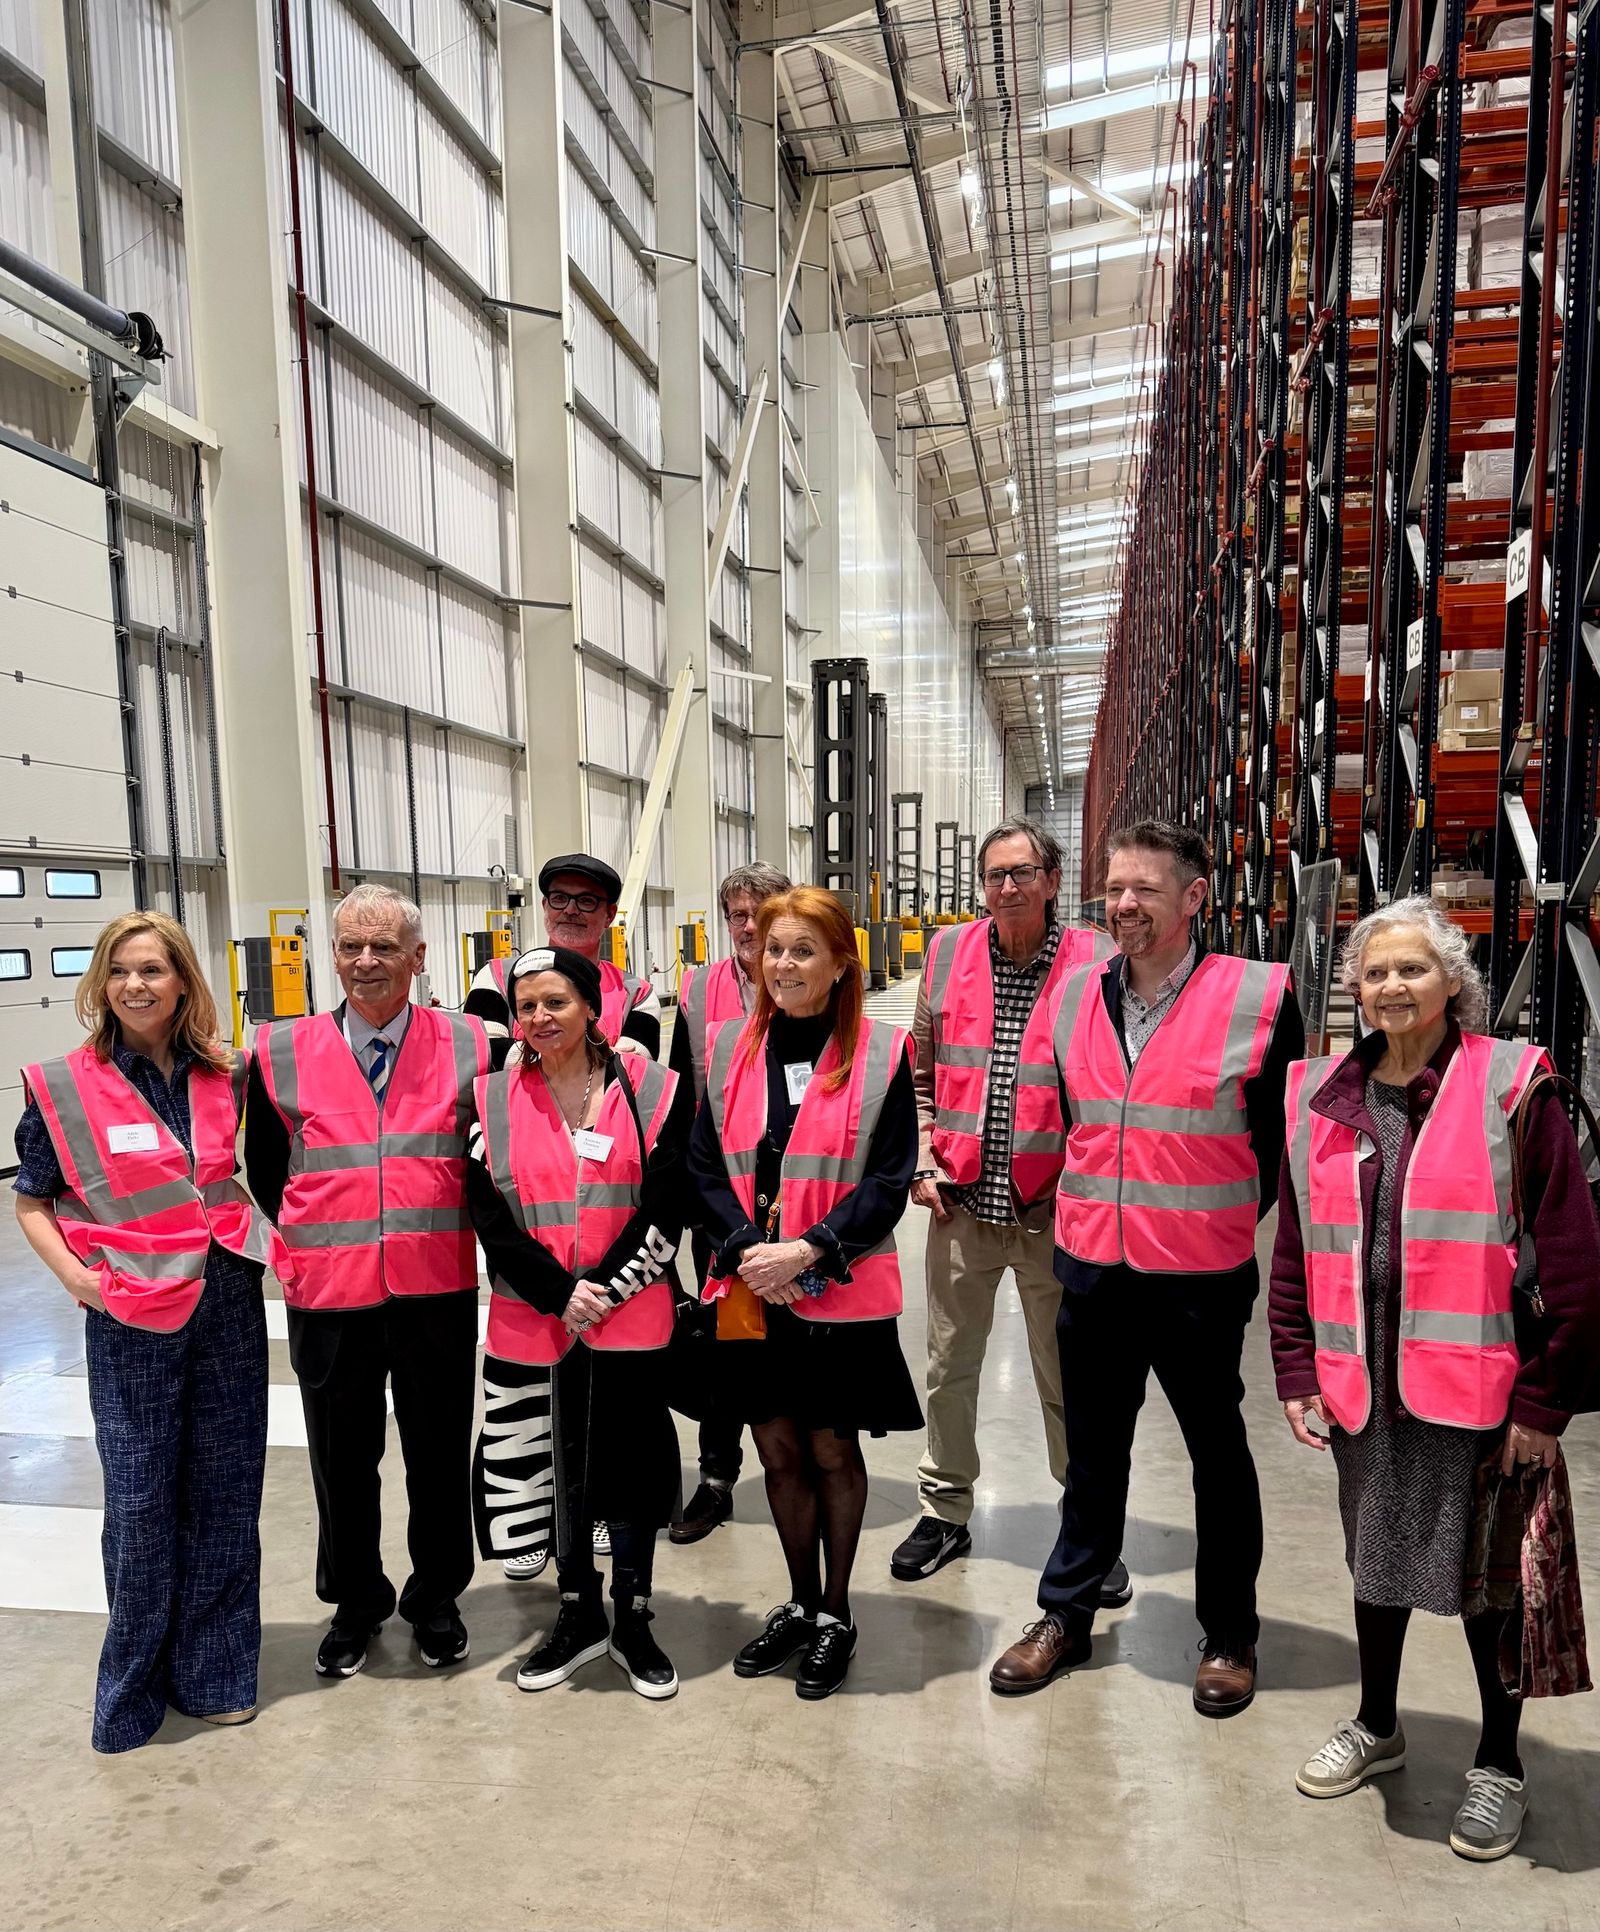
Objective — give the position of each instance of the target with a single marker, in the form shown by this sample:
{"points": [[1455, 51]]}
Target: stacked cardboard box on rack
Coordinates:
{"points": [[1469, 711]]}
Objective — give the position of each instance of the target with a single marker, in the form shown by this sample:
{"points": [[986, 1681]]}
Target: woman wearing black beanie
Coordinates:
{"points": [[576, 1191]]}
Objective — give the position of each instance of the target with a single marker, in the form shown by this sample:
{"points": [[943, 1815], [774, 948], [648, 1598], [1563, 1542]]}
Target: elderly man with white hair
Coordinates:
{"points": [[356, 1146]]}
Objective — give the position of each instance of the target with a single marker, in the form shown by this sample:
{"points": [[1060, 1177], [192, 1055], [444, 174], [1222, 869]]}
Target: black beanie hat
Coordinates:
{"points": [[583, 973]]}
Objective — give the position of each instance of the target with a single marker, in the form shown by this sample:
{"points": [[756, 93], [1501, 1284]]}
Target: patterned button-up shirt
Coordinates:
{"points": [[1016, 988], [1140, 1018]]}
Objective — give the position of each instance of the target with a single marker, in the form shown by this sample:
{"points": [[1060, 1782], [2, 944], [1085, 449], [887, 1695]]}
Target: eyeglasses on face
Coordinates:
{"points": [[559, 901], [1021, 876]]}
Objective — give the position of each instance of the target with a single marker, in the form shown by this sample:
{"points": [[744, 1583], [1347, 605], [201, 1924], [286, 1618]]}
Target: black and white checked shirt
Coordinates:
{"points": [[1016, 988]]}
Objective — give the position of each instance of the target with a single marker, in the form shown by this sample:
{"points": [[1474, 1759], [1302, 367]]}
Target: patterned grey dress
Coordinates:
{"points": [[1405, 1487]]}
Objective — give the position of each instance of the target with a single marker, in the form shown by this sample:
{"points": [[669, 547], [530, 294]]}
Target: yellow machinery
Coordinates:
{"points": [[910, 943], [615, 945], [274, 985], [495, 939], [692, 948]]}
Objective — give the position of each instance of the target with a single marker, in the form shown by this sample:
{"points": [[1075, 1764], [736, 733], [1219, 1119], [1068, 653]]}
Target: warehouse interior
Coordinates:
{"points": [[440, 434]]}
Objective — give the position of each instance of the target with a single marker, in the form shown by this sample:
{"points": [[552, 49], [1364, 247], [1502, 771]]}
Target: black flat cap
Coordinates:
{"points": [[586, 867]]}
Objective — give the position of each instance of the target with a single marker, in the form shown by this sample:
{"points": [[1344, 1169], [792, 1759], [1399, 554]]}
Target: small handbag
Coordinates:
{"points": [[741, 1313]]}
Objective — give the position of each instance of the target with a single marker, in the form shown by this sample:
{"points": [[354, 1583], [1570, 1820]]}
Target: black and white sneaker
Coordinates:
{"points": [[524, 1568], [579, 1637], [442, 1640], [634, 1650], [1117, 1590], [788, 1630], [343, 1650], [822, 1669], [929, 1547]]}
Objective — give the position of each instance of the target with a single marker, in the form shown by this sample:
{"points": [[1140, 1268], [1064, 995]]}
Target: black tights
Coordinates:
{"points": [[817, 1490], [1381, 1640], [633, 1556]]}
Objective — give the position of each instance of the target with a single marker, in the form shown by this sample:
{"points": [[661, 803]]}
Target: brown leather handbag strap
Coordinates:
{"points": [[1543, 1077]]}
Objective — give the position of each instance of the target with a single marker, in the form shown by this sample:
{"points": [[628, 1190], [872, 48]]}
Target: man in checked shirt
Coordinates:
{"points": [[993, 1141]]}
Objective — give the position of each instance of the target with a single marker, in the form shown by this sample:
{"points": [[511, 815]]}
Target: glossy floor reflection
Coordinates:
{"points": [[914, 1798]]}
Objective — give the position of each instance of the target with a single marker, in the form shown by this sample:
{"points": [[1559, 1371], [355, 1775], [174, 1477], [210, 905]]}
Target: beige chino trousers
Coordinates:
{"points": [[966, 1262]]}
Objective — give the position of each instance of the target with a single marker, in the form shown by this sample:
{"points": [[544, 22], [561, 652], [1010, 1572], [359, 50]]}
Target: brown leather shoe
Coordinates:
{"points": [[711, 1504], [1043, 1651], [1226, 1681]]}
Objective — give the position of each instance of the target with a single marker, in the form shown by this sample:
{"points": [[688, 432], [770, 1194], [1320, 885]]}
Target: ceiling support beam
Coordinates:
{"points": [[874, 298]]}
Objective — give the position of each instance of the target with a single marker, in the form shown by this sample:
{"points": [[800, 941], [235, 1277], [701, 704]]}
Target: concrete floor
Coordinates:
{"points": [[914, 1798]]}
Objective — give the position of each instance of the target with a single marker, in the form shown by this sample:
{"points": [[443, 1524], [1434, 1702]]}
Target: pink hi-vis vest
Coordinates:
{"points": [[376, 1205], [620, 993], [1159, 1171], [1458, 1356], [825, 1159], [136, 1206], [576, 1208], [709, 995], [959, 976]]}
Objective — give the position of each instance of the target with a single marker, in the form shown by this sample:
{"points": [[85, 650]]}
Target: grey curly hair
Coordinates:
{"points": [[1447, 942]]}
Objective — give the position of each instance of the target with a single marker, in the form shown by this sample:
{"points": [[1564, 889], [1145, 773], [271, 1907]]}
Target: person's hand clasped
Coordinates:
{"points": [[586, 1306], [1297, 1408], [769, 1270], [926, 1195], [1525, 1445]]}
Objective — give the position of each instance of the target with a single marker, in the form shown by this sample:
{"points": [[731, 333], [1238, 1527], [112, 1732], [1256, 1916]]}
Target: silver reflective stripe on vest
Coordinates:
{"points": [[1156, 1119], [335, 1160], [694, 1018], [238, 1076], [464, 1046], [1316, 1073], [101, 1202], [1472, 1331], [1505, 1058], [1453, 1224], [1039, 1140], [1336, 1338], [361, 1234], [717, 1085], [189, 1265], [649, 1095], [1109, 1189], [939, 968], [1249, 1011], [1072, 994], [285, 1073], [443, 1147], [608, 1194], [548, 1214], [497, 1142], [959, 1123], [960, 1056], [1326, 1240], [1029, 1075], [847, 1170]]}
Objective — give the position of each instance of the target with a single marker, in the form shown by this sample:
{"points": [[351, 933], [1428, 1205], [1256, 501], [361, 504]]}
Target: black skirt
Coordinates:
{"points": [[849, 1377]]}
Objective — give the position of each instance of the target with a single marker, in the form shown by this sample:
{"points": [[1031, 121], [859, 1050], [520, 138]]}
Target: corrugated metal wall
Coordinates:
{"points": [[404, 242]]}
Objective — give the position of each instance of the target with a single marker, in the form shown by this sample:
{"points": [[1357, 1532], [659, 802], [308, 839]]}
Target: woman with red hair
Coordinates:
{"points": [[803, 1154]]}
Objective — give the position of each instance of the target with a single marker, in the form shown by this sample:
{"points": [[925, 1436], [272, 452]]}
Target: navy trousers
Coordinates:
{"points": [[1189, 1331], [180, 1422]]}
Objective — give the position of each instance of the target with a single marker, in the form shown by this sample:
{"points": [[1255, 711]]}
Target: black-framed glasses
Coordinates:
{"points": [[1021, 876], [560, 901]]}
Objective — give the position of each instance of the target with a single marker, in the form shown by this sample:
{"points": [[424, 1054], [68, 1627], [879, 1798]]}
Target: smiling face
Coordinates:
{"points": [[740, 913], [577, 913], [551, 1017], [798, 967], [377, 956], [1013, 905], [1148, 907], [143, 987], [1403, 988]]}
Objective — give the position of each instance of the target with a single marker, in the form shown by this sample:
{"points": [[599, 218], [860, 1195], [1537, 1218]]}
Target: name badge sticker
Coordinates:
{"points": [[798, 1076], [591, 1146], [137, 1137]]}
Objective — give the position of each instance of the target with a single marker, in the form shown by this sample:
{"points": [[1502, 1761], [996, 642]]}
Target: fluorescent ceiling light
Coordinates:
{"points": [[1070, 401], [1137, 181], [1093, 453], [1088, 110], [1108, 372], [1154, 57], [1113, 251]]}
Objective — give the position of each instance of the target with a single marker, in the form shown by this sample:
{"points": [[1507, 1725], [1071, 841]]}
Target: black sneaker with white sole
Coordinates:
{"points": [[442, 1640], [788, 1630], [580, 1635], [929, 1547], [634, 1650], [823, 1668], [343, 1649]]}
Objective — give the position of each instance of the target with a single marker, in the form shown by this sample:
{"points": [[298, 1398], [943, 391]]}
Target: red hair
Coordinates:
{"points": [[827, 918]]}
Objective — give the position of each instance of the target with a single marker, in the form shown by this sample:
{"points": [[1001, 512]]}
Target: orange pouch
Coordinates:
{"points": [[741, 1317]]}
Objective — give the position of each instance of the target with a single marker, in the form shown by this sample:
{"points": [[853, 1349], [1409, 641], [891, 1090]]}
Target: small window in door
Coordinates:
{"points": [[10, 881], [15, 964], [70, 962], [71, 885]]}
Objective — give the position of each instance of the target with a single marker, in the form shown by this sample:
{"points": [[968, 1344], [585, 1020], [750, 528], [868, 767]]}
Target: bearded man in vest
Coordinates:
{"points": [[356, 1147], [1173, 1063], [724, 989], [579, 896], [989, 1110]]}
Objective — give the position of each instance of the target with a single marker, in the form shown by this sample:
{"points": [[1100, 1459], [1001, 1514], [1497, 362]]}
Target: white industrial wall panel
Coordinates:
{"points": [[374, 285], [480, 650], [480, 801], [638, 517], [457, 47], [442, 920], [361, 94], [468, 360], [147, 268], [643, 716], [605, 713], [27, 213], [638, 417], [457, 201], [430, 775], [588, 233], [596, 473], [633, 295], [467, 501], [387, 630], [381, 448], [135, 92], [19, 32], [599, 600], [594, 373], [644, 628]]}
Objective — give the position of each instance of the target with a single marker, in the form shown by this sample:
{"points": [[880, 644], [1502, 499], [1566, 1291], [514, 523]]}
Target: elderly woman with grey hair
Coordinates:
{"points": [[1392, 1318]]}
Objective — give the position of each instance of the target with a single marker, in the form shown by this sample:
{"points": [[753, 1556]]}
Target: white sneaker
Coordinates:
{"points": [[1489, 1822], [522, 1569], [602, 1539], [1348, 1759]]}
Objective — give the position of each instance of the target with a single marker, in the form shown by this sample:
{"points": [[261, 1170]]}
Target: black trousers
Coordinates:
{"points": [[426, 1347], [721, 1439], [1189, 1330]]}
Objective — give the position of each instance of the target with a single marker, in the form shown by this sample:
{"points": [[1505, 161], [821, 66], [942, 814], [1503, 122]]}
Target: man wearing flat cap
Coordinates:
{"points": [[579, 896]]}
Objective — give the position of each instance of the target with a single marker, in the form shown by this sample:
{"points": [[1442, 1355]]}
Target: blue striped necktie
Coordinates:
{"points": [[378, 1067]]}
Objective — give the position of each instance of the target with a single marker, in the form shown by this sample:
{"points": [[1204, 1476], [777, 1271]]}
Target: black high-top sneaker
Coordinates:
{"points": [[634, 1650], [578, 1638]]}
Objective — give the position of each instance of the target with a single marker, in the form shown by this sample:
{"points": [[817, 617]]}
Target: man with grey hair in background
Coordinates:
{"points": [[725, 989], [355, 1146], [993, 1140]]}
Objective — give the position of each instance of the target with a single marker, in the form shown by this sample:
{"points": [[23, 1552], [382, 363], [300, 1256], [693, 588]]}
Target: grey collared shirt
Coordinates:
{"points": [[1140, 1017], [362, 1033]]}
